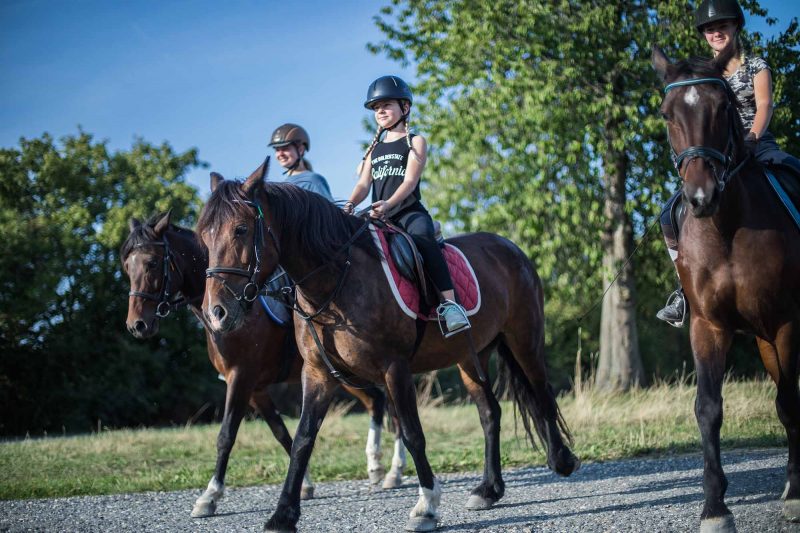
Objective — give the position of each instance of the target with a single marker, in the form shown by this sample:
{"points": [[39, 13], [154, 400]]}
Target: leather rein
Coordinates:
{"points": [[705, 152]]}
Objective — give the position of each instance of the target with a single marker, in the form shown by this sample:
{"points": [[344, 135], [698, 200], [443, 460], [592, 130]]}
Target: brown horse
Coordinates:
{"points": [[353, 329], [738, 261], [166, 265]]}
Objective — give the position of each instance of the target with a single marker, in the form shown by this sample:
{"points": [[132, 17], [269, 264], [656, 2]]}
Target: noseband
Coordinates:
{"points": [[705, 152], [251, 290], [165, 305]]}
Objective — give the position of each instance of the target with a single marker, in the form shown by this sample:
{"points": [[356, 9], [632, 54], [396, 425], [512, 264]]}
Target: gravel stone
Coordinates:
{"points": [[653, 495]]}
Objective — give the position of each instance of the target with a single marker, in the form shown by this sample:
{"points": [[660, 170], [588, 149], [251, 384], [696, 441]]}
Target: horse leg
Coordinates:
{"points": [[264, 406], [492, 488], [394, 478], [375, 402], [236, 397], [523, 356], [318, 392], [710, 346], [780, 360], [400, 386]]}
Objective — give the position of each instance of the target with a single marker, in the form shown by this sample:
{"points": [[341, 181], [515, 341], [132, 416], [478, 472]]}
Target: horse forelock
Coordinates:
{"points": [[145, 234], [227, 203]]}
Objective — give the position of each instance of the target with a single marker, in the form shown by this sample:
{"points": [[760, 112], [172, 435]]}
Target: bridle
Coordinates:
{"points": [[706, 152], [251, 290], [165, 304]]}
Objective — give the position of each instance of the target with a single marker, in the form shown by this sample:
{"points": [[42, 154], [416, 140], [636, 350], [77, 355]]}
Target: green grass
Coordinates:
{"points": [[657, 420]]}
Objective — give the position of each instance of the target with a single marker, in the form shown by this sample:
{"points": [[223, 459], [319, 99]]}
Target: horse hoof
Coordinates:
{"points": [[476, 502], [203, 508], [791, 510], [421, 523], [307, 493], [376, 475], [718, 524], [392, 481]]}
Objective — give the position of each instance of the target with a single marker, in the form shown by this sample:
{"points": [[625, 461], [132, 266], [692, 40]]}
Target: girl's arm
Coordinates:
{"points": [[417, 157], [762, 86], [361, 190]]}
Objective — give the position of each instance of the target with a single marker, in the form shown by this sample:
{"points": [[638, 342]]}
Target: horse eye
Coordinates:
{"points": [[664, 116], [241, 230], [152, 263]]}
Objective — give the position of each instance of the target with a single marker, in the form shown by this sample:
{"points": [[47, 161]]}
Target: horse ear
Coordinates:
{"points": [[661, 63], [133, 223], [257, 177], [162, 224], [216, 179]]}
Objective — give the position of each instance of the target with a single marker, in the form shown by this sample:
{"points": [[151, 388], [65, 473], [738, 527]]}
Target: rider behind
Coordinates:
{"points": [[393, 169], [291, 142], [749, 77]]}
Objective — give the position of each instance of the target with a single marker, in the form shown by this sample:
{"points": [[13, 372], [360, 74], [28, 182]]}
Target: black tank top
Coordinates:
{"points": [[389, 161]]}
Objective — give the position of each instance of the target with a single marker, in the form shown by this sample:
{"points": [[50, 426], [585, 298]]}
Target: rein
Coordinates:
{"points": [[705, 152], [165, 304]]}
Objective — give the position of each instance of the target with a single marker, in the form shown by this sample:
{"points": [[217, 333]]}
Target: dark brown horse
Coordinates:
{"points": [[738, 261], [166, 265], [354, 325]]}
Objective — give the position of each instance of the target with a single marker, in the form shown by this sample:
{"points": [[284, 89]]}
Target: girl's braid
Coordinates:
{"points": [[371, 146]]}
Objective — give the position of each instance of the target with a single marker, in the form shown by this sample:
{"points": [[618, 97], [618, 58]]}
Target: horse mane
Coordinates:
{"points": [[318, 227], [144, 234]]}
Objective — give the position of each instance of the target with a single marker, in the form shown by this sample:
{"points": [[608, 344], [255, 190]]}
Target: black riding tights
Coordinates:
{"points": [[419, 225]]}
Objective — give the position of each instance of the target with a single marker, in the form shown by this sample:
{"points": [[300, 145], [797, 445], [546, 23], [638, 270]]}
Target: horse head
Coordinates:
{"points": [[242, 248], [704, 129], [146, 261]]}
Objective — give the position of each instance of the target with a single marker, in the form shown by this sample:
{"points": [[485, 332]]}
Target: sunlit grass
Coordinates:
{"points": [[656, 420]]}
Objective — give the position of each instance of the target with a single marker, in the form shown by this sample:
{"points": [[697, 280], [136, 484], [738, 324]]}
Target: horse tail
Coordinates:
{"points": [[535, 405]]}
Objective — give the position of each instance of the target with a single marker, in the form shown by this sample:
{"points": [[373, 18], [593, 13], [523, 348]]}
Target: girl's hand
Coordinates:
{"points": [[379, 209]]}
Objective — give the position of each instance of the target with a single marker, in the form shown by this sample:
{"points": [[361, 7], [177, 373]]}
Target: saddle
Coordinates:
{"points": [[409, 261]]}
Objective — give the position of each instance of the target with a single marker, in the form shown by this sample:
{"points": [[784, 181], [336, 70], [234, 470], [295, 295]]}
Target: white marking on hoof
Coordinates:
{"points": [[691, 97], [719, 524], [206, 504], [422, 523], [476, 502], [307, 488], [393, 479], [791, 510], [428, 502], [785, 491], [375, 469]]}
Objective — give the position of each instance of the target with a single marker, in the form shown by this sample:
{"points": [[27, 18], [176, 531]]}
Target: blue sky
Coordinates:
{"points": [[219, 76]]}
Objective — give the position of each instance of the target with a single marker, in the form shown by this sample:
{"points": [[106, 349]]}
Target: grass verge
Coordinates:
{"points": [[653, 421]]}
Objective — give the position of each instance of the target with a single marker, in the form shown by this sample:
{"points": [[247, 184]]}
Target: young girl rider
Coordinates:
{"points": [[392, 168], [291, 142], [720, 22]]}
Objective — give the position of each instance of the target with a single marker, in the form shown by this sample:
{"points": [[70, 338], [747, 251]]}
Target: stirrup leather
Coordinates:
{"points": [[447, 307]]}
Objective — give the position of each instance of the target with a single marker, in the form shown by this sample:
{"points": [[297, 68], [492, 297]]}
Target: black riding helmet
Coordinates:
{"points": [[388, 88], [713, 10], [290, 133]]}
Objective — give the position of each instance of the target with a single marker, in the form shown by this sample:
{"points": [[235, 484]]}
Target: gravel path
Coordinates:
{"points": [[636, 495]]}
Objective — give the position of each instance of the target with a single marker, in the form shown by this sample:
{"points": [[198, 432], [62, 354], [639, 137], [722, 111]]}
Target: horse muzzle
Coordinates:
{"points": [[703, 200], [141, 328]]}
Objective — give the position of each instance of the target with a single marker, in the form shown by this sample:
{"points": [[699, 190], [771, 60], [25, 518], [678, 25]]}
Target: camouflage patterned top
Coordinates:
{"points": [[743, 87]]}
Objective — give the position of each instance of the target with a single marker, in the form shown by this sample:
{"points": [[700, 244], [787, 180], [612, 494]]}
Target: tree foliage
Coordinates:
{"points": [[67, 361], [531, 108]]}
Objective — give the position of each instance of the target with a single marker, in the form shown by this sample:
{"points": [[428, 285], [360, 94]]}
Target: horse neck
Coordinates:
{"points": [[734, 205], [192, 262]]}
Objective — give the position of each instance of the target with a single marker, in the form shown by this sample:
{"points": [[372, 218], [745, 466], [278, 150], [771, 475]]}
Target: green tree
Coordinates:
{"points": [[544, 126], [67, 360]]}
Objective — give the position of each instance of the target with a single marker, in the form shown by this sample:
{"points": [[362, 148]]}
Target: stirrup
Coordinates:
{"points": [[674, 322], [453, 307]]}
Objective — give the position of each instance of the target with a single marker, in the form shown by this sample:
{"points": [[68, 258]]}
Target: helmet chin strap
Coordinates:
{"points": [[296, 163]]}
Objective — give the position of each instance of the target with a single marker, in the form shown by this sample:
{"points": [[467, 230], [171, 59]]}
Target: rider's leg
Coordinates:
{"points": [[419, 225], [769, 153], [674, 312]]}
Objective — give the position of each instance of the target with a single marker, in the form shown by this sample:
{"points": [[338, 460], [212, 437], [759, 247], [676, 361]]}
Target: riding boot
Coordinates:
{"points": [[674, 312]]}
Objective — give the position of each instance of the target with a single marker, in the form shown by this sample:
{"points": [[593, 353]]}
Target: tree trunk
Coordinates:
{"points": [[620, 365]]}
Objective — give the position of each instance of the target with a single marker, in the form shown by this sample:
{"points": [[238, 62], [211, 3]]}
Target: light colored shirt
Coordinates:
{"points": [[311, 181]]}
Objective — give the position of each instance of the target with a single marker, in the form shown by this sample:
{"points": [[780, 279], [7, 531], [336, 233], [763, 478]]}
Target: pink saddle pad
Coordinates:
{"points": [[405, 292]]}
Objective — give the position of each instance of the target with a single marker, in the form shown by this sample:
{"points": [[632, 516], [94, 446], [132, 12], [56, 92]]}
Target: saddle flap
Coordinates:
{"points": [[408, 260]]}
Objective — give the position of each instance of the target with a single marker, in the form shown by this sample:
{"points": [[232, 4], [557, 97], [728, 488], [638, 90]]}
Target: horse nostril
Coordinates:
{"points": [[219, 312], [140, 326]]}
